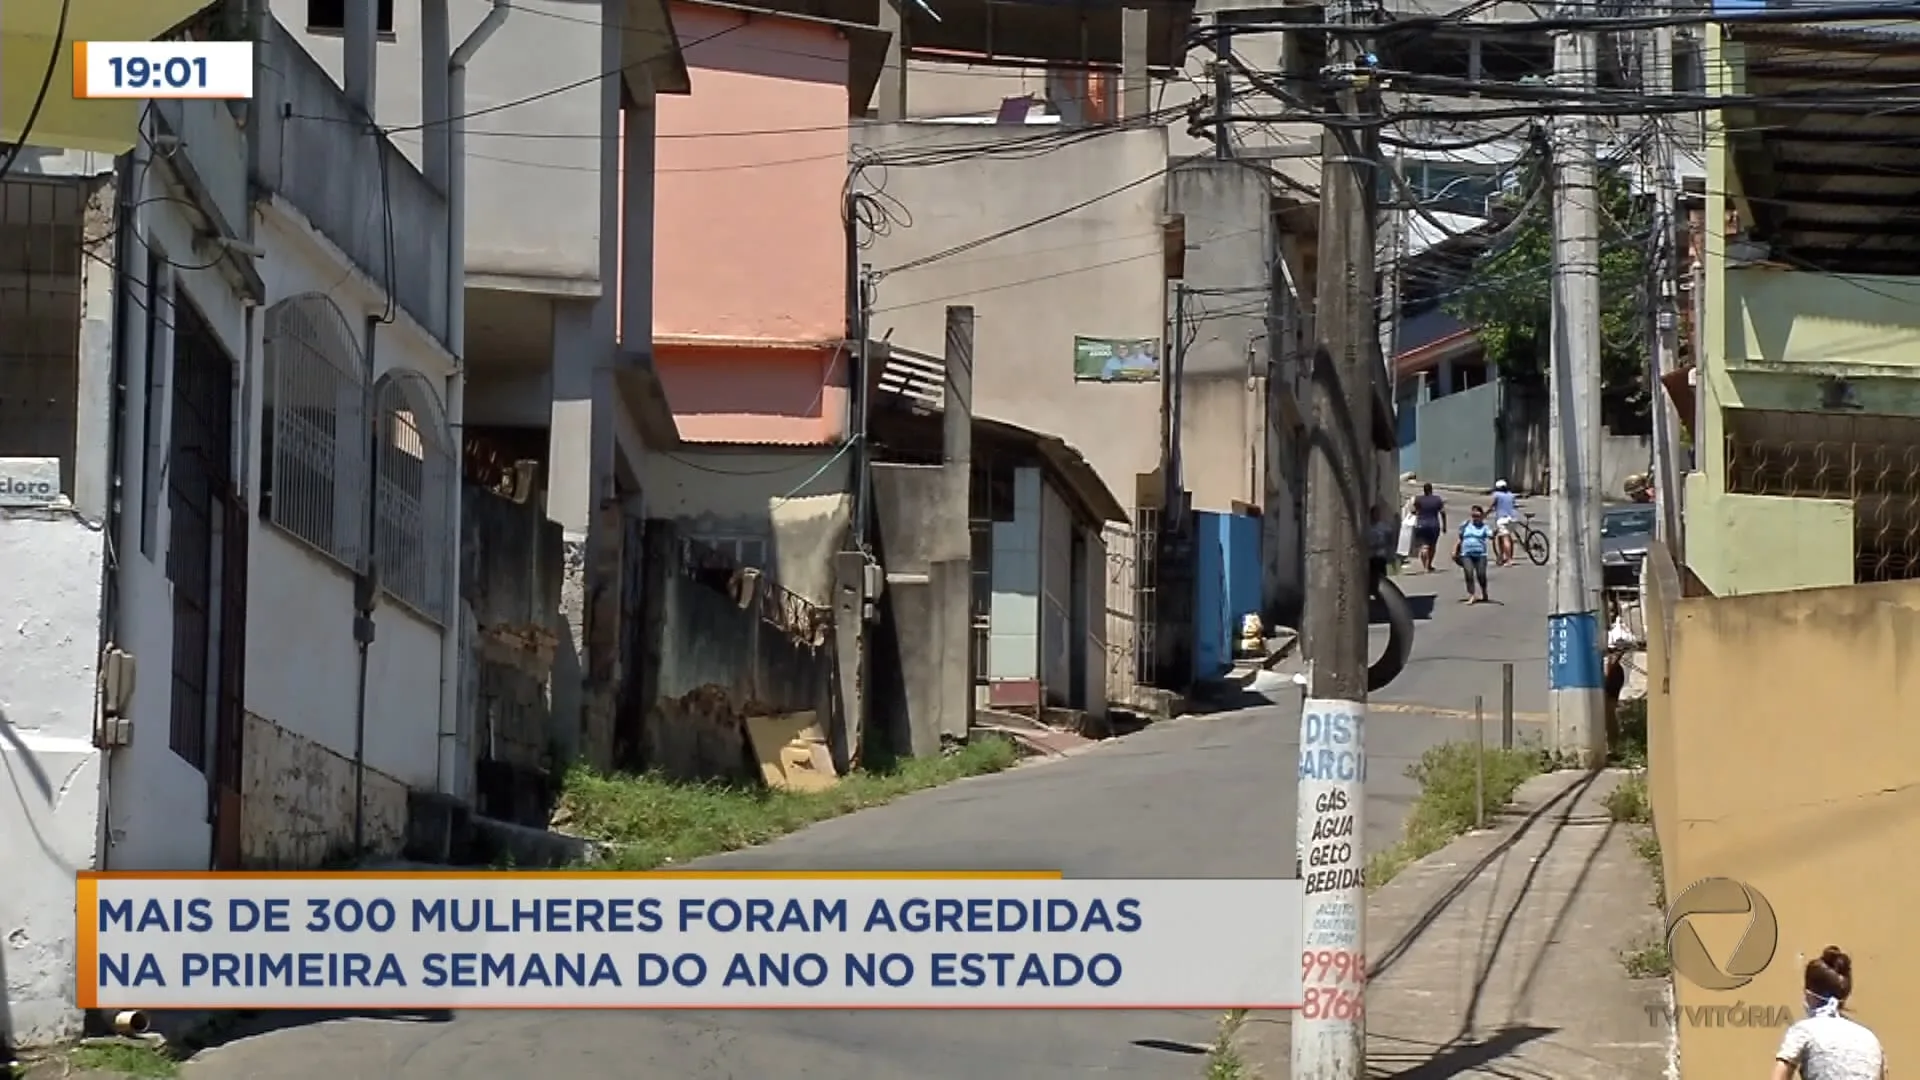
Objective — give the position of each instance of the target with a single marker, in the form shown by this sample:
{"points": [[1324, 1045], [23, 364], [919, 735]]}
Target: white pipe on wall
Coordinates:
{"points": [[451, 768]]}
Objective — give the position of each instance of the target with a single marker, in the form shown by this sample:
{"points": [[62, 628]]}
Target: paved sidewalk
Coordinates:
{"points": [[1500, 956]]}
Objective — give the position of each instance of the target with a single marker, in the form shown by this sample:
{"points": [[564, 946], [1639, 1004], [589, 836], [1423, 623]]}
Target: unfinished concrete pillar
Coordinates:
{"points": [[580, 463], [1135, 91], [890, 96]]}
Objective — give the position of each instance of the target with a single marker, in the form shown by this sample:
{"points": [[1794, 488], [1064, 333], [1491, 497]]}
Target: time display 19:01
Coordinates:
{"points": [[176, 73]]}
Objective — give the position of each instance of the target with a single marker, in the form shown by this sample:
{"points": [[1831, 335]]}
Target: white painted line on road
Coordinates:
{"points": [[1447, 713]]}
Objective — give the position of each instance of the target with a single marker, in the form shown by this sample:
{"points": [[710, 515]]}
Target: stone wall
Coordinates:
{"points": [[296, 802]]}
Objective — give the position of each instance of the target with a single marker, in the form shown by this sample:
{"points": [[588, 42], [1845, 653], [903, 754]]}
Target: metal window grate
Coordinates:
{"points": [[40, 234], [748, 551], [415, 471], [1870, 461], [199, 491], [315, 452], [1146, 607]]}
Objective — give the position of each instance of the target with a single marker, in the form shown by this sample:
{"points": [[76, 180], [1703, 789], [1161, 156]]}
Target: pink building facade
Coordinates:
{"points": [[750, 253]]}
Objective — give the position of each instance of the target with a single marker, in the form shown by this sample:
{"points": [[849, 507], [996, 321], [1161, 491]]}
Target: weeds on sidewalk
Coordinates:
{"points": [[129, 1058], [1647, 846], [1445, 808], [1648, 961], [1628, 803], [1629, 747], [651, 821], [1223, 1057]]}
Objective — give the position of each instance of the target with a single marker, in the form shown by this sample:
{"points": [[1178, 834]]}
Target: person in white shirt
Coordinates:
{"points": [[1828, 1045], [1505, 511]]}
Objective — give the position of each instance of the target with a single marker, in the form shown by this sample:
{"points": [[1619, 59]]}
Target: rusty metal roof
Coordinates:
{"points": [[1829, 159]]}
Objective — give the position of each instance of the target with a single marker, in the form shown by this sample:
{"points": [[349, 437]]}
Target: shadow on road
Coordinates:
{"points": [[197, 1031], [1565, 800], [1466, 1051], [1171, 1047], [1420, 603], [1492, 951], [1480, 1057]]}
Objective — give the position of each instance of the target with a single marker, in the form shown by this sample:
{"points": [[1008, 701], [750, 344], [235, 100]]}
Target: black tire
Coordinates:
{"points": [[1399, 635], [1536, 545]]}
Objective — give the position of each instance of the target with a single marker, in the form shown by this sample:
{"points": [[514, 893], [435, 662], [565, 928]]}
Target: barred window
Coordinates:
{"points": [[415, 468], [40, 264], [314, 454], [744, 550]]}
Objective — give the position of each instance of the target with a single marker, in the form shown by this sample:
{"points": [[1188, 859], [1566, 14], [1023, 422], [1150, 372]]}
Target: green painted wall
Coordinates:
{"points": [[1772, 337], [1742, 544]]}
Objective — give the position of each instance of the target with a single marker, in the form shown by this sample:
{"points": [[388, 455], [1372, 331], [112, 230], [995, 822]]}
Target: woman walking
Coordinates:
{"points": [[1828, 1045], [1470, 551], [1429, 521]]}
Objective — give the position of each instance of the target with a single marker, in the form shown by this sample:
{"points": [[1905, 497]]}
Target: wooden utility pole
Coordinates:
{"points": [[1329, 1032]]}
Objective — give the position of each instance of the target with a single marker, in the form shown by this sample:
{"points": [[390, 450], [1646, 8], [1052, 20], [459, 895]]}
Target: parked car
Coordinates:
{"points": [[1625, 533]]}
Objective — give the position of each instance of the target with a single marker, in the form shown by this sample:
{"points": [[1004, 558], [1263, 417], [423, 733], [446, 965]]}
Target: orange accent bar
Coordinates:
{"points": [[80, 77], [86, 912]]}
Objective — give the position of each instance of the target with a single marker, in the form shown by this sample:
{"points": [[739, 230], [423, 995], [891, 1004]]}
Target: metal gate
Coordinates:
{"points": [[206, 562], [1130, 605]]}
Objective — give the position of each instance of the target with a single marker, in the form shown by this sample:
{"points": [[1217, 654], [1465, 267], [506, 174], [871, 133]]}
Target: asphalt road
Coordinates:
{"points": [[1199, 796]]}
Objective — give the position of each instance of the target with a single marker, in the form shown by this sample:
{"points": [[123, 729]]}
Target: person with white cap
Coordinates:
{"points": [[1506, 511]]}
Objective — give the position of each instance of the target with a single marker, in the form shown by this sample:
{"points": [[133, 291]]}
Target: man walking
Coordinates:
{"points": [[1506, 514], [1470, 551], [1429, 521]]}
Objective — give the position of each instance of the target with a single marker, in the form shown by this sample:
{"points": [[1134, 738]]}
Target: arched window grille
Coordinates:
{"points": [[315, 452], [323, 461], [414, 463]]}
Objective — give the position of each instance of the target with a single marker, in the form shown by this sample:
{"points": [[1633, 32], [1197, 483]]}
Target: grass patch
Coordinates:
{"points": [[1223, 1057], [1648, 961], [1445, 808], [125, 1057], [652, 821], [1646, 844], [1628, 802], [1629, 748]]}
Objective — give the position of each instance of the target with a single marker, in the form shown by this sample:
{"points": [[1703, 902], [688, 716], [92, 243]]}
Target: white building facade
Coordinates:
{"points": [[554, 318], [227, 504]]}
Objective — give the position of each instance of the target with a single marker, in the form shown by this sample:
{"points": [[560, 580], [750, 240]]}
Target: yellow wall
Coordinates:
{"points": [[1783, 752]]}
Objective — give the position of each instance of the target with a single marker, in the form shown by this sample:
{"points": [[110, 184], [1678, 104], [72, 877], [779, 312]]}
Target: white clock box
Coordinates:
{"points": [[30, 482]]}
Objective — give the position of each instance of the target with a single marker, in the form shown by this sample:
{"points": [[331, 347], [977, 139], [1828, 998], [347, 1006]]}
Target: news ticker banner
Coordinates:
{"points": [[684, 941], [162, 69]]}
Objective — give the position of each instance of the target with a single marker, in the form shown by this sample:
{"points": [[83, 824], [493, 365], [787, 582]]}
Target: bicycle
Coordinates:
{"points": [[1532, 539]]}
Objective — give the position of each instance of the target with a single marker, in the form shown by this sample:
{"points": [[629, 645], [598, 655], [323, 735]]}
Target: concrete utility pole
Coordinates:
{"points": [[1395, 250], [1329, 1032], [1222, 90], [1573, 619], [1664, 347]]}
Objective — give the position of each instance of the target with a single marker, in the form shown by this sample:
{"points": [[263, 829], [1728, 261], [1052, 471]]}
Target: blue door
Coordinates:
{"points": [[1212, 655], [1226, 587]]}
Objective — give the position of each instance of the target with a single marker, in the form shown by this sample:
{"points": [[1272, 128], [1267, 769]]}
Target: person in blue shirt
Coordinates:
{"points": [[1470, 551], [1506, 514]]}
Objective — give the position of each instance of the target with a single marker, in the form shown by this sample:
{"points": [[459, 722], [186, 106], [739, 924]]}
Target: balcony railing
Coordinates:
{"points": [[319, 151]]}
